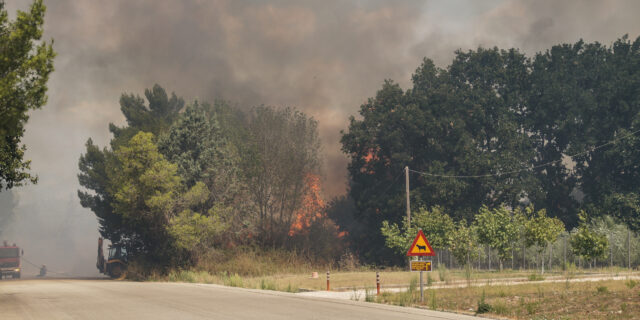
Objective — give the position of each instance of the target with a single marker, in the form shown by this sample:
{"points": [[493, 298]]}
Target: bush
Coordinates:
{"points": [[483, 307], [602, 289], [631, 283], [535, 277]]}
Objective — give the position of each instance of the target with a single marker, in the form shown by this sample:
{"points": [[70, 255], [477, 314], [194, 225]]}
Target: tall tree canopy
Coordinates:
{"points": [[25, 66], [178, 182], [497, 128]]}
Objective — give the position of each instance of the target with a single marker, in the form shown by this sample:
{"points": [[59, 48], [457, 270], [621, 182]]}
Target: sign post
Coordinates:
{"points": [[420, 248]]}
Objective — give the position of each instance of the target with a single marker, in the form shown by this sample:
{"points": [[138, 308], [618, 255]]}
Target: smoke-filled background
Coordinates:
{"points": [[323, 57]]}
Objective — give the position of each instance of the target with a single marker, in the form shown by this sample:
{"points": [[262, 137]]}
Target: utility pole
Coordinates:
{"points": [[406, 178]]}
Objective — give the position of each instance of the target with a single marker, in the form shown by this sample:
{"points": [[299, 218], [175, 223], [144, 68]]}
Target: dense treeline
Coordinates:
{"points": [[180, 181], [509, 124], [489, 138]]}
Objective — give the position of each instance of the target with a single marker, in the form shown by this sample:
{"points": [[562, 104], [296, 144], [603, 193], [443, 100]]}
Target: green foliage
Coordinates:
{"points": [[268, 285], [156, 117], [99, 168], [535, 277], [144, 186], [435, 224], [25, 67], [498, 229], [194, 142], [540, 230], [586, 242], [463, 243], [483, 306], [494, 111], [195, 232]]}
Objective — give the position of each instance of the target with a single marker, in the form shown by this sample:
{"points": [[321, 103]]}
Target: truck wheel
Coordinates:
{"points": [[116, 270]]}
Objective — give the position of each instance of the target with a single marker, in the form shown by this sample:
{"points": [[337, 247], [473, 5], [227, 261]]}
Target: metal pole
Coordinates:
{"points": [[610, 252], [564, 266], [378, 282], [406, 178], [421, 286], [629, 247]]}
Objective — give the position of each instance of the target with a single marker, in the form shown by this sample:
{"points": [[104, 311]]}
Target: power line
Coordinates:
{"points": [[524, 169]]}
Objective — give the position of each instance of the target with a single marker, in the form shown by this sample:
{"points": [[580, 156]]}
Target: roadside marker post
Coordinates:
{"points": [[378, 282], [420, 248], [328, 287]]}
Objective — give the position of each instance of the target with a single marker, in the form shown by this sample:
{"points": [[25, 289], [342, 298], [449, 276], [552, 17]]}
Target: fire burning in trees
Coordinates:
{"points": [[313, 209]]}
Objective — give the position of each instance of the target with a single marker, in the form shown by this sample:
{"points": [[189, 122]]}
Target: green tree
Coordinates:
{"points": [[585, 95], [24, 68], [156, 117], [195, 233], [195, 143], [541, 231], [283, 149], [497, 229], [463, 120], [145, 186], [586, 242], [436, 225], [463, 242], [95, 164]]}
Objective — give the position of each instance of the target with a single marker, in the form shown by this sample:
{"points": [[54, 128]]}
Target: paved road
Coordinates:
{"points": [[106, 299]]}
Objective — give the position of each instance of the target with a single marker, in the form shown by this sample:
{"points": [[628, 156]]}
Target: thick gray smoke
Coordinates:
{"points": [[323, 57]]}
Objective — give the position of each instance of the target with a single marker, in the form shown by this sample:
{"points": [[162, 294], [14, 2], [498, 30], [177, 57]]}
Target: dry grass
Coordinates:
{"points": [[585, 300]]}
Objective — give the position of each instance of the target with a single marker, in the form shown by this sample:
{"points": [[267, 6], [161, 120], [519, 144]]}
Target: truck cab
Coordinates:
{"points": [[9, 261], [115, 265]]}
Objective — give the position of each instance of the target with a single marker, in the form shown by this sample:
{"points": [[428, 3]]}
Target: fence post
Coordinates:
{"points": [[629, 248], [328, 287], [378, 282]]}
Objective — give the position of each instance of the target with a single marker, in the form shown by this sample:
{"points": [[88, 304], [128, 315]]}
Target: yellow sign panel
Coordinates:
{"points": [[420, 246], [420, 265]]}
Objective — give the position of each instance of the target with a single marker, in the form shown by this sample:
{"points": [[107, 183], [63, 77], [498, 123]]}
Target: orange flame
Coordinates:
{"points": [[372, 154], [313, 207]]}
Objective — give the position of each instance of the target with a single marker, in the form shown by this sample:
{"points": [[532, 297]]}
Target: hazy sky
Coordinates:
{"points": [[323, 57]]}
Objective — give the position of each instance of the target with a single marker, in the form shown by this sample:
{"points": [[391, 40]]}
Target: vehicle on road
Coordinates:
{"points": [[9, 261], [115, 266]]}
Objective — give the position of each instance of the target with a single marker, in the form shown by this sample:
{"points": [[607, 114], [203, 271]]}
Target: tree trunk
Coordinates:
{"points": [[524, 251], [542, 260], [550, 255]]}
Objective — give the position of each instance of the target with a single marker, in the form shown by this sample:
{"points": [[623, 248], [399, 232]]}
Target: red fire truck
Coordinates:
{"points": [[9, 261]]}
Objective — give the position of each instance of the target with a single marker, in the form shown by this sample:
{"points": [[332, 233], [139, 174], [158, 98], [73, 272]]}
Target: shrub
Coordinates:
{"points": [[602, 289], [631, 283], [535, 277], [483, 307], [442, 272]]}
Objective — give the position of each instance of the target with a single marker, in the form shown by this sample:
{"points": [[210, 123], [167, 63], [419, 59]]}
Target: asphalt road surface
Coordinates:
{"points": [[106, 299]]}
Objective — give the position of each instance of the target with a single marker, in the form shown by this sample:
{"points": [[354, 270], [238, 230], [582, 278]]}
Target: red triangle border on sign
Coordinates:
{"points": [[420, 234]]}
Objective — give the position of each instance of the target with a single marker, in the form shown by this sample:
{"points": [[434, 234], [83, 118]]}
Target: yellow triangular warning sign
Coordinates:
{"points": [[421, 246]]}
